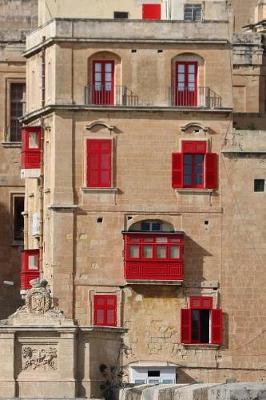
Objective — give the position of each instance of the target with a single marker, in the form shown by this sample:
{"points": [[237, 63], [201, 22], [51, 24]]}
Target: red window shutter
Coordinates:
{"points": [[151, 11], [177, 170], [217, 326], [185, 326], [211, 171], [105, 310], [99, 163], [201, 302], [194, 146]]}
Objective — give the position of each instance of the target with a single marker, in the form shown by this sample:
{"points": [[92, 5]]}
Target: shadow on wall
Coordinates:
{"points": [[10, 265], [193, 260]]}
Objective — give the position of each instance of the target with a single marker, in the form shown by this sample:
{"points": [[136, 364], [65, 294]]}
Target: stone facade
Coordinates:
{"points": [[81, 226], [17, 17]]}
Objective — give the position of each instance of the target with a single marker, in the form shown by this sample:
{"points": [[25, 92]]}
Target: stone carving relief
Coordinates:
{"points": [[44, 358], [38, 300]]}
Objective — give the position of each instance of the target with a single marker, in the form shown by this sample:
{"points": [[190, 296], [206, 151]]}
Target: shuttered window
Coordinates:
{"points": [[105, 310], [194, 167], [201, 324], [99, 163], [151, 11]]}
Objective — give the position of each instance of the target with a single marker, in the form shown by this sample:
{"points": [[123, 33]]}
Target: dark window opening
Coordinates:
{"points": [[151, 226], [121, 14], [18, 218], [17, 101], [154, 373], [200, 326], [259, 185], [193, 12]]}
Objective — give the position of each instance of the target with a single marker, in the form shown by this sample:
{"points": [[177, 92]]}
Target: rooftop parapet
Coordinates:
{"points": [[99, 30]]}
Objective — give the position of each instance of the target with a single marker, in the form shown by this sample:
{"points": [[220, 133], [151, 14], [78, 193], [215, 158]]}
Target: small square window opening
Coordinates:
{"points": [[259, 185]]}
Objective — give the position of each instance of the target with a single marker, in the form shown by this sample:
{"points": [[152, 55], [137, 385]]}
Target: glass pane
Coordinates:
{"points": [[181, 78], [191, 68], [33, 263], [108, 87], [174, 252], [108, 77], [181, 68], [191, 78], [161, 251], [134, 251], [188, 169], [187, 159], [145, 226], [187, 180], [108, 67], [155, 226], [147, 251], [33, 140], [98, 86], [98, 77], [98, 67], [181, 86], [195, 325]]}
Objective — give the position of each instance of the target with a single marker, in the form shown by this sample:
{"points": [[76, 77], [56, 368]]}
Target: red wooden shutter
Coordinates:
{"points": [[201, 302], [217, 326], [194, 146], [99, 162], [105, 310], [185, 326], [111, 310], [177, 170], [211, 171], [151, 11]]}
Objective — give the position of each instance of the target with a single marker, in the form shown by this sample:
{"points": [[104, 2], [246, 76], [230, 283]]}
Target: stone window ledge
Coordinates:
{"points": [[201, 346], [11, 144], [100, 190], [193, 190], [115, 329]]}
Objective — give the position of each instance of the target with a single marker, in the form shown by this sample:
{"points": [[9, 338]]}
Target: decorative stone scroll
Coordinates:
{"points": [[43, 358]]}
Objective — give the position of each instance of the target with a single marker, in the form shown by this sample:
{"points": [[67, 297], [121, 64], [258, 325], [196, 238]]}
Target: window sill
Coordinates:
{"points": [[201, 346], [12, 144], [92, 328], [194, 190], [100, 190]]}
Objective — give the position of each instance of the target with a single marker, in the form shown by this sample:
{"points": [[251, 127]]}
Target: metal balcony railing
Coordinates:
{"points": [[109, 95], [201, 97]]}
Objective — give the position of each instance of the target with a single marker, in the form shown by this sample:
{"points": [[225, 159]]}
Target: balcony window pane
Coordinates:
{"points": [[134, 251], [33, 263], [98, 67], [161, 251], [147, 251], [33, 140], [174, 252], [108, 67]]}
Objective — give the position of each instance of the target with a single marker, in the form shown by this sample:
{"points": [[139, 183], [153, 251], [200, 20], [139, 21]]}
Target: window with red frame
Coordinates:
{"points": [[99, 163], [201, 323], [159, 247], [105, 310], [151, 11], [195, 167], [103, 82]]}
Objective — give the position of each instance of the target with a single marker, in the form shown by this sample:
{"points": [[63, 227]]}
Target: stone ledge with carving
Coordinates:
{"points": [[38, 309], [39, 358]]}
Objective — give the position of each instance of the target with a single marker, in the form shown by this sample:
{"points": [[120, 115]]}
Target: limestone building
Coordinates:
{"points": [[17, 17], [145, 197]]}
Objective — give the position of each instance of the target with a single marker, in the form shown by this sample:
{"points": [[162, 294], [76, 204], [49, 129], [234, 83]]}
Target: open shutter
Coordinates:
{"points": [[217, 326], [151, 11], [211, 171], [186, 326], [177, 170]]}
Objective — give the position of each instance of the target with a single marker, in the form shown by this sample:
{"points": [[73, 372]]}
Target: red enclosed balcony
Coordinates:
{"points": [[30, 267], [31, 151], [153, 257]]}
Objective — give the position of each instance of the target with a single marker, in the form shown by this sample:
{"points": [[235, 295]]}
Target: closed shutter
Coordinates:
{"points": [[177, 170], [211, 171], [99, 163], [201, 302], [185, 326], [194, 146], [105, 310], [151, 11], [217, 326]]}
